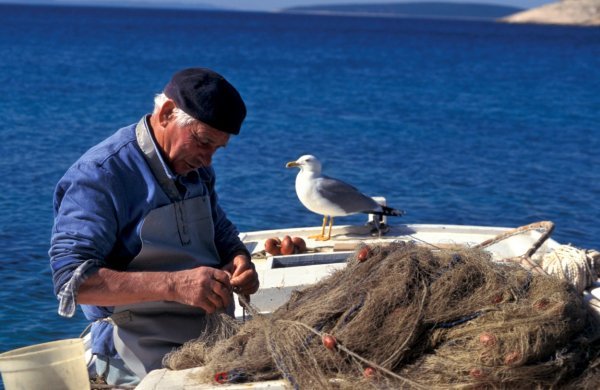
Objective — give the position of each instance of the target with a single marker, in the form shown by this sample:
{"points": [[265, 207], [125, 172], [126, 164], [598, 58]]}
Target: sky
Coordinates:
{"points": [[274, 5]]}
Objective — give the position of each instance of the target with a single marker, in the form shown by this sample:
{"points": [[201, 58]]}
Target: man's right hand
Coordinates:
{"points": [[204, 287]]}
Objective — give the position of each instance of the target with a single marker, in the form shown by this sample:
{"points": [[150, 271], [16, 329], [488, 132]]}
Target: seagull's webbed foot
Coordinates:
{"points": [[321, 237]]}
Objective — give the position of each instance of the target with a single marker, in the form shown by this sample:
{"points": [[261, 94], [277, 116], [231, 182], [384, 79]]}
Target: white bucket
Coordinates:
{"points": [[54, 365]]}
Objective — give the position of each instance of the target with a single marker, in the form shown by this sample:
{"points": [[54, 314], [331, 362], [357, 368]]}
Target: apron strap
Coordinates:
{"points": [[144, 139]]}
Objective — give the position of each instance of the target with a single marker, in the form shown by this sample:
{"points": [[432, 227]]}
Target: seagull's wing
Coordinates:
{"points": [[345, 196]]}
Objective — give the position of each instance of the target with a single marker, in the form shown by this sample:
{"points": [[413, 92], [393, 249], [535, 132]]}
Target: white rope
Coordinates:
{"points": [[577, 266]]}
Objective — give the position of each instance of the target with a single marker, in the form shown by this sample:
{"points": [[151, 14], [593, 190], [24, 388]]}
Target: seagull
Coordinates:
{"points": [[332, 197]]}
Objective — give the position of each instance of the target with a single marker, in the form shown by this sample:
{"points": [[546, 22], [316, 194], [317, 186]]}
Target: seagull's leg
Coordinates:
{"points": [[320, 237], [330, 227]]}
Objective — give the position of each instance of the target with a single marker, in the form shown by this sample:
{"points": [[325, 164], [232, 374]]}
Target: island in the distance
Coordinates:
{"points": [[417, 10], [567, 12], [572, 12]]}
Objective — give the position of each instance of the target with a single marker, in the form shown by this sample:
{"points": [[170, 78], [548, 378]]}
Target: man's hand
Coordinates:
{"points": [[244, 278], [204, 287]]}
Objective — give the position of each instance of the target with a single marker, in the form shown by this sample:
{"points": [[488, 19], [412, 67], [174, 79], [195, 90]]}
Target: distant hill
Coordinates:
{"points": [[428, 9], [573, 12]]}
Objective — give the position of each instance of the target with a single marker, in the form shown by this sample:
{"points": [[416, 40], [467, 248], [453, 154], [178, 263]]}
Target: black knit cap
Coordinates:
{"points": [[206, 96]]}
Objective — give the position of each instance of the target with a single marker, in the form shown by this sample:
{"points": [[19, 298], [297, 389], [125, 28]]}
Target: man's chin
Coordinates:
{"points": [[187, 168], [183, 169]]}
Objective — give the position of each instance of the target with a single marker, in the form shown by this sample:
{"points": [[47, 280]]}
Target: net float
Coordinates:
{"points": [[498, 298], [299, 244], [329, 341], [487, 339], [221, 377], [541, 304], [364, 253], [369, 372], [512, 358], [287, 246], [272, 246], [476, 373]]}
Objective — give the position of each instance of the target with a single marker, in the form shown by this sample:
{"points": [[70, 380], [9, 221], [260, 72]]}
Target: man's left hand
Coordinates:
{"points": [[244, 278]]}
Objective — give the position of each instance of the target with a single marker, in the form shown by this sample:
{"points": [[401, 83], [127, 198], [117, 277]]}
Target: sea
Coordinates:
{"points": [[454, 121]]}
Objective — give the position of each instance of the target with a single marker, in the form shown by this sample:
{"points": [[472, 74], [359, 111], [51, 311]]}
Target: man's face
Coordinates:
{"points": [[189, 148]]}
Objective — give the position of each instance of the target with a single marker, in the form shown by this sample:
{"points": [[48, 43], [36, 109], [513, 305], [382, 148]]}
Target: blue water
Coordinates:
{"points": [[456, 122]]}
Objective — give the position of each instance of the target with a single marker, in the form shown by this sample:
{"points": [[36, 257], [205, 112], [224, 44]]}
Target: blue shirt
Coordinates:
{"points": [[99, 206]]}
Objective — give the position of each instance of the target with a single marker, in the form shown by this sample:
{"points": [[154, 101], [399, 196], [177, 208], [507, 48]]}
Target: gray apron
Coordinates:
{"points": [[174, 237]]}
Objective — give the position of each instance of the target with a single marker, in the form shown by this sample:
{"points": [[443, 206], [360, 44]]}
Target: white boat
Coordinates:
{"points": [[280, 275]]}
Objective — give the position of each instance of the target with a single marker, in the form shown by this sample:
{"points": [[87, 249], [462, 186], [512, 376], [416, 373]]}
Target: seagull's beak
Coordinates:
{"points": [[292, 164]]}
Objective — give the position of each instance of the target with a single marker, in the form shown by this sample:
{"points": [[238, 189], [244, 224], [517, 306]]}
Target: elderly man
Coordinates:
{"points": [[139, 239]]}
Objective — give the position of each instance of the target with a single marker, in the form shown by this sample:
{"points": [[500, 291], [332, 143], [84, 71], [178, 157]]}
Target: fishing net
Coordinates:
{"points": [[404, 316]]}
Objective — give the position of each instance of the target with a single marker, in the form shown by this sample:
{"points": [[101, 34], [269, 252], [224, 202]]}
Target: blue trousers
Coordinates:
{"points": [[115, 372]]}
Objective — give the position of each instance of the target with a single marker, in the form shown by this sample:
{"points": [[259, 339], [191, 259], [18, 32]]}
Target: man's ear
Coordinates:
{"points": [[165, 115]]}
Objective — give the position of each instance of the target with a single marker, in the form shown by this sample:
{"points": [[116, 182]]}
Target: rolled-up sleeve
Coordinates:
{"points": [[86, 205]]}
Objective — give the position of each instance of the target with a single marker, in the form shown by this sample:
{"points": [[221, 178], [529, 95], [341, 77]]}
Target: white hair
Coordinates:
{"points": [[181, 118]]}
